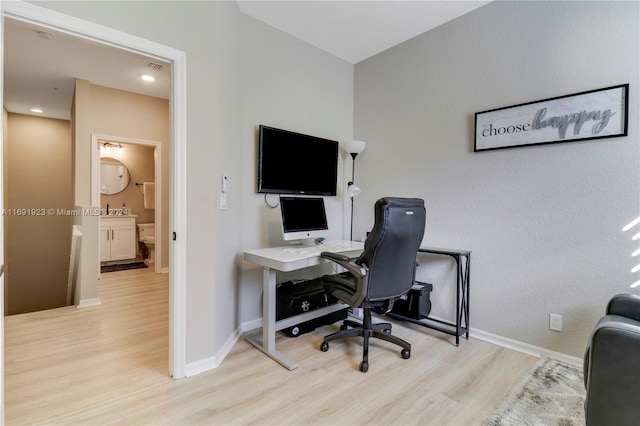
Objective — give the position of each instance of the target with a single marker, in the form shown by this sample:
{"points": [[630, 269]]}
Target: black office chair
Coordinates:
{"points": [[381, 274]]}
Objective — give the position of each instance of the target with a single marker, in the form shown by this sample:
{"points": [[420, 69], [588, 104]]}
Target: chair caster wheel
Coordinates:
{"points": [[324, 347], [343, 327], [405, 353], [387, 330], [364, 366]]}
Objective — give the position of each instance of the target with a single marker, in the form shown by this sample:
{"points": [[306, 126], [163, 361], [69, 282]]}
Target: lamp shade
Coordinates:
{"points": [[354, 147], [353, 190]]}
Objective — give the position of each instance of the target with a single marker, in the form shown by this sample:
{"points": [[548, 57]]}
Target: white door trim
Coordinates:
{"points": [[46, 18]]}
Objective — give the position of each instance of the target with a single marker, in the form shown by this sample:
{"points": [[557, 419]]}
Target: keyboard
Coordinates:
{"points": [[316, 250]]}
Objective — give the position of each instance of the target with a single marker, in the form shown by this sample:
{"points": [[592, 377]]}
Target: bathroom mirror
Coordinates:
{"points": [[114, 176]]}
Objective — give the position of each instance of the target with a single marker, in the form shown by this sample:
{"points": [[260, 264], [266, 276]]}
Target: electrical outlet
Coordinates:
{"points": [[555, 322]]}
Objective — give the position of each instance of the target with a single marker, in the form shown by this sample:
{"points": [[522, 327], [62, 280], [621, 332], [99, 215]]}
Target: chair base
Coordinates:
{"points": [[367, 330]]}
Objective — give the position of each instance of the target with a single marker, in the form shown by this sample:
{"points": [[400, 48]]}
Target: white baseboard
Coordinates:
{"points": [[214, 362], [85, 303], [250, 325], [201, 366], [526, 348]]}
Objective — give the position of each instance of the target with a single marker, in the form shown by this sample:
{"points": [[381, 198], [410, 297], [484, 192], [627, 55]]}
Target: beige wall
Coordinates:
{"points": [[86, 291], [37, 179], [129, 115]]}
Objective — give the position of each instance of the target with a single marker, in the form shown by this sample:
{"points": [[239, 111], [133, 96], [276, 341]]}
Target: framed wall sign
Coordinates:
{"points": [[595, 114]]}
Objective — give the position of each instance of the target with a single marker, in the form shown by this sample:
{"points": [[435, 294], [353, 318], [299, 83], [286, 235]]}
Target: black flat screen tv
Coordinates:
{"points": [[293, 163]]}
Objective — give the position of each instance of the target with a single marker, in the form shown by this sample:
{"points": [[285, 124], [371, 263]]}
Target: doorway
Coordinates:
{"points": [[106, 37], [96, 142]]}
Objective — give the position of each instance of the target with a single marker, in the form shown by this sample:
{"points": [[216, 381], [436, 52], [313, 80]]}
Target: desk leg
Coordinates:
{"points": [[267, 343], [269, 309], [458, 300], [466, 281], [463, 288]]}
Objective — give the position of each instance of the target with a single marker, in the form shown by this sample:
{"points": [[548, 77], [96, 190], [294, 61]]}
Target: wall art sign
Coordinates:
{"points": [[595, 114]]}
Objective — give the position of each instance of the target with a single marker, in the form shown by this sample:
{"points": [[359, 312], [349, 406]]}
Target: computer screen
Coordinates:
{"points": [[293, 163], [303, 218]]}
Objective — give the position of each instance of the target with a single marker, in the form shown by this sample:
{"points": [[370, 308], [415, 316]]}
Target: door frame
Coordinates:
{"points": [[157, 163], [49, 19]]}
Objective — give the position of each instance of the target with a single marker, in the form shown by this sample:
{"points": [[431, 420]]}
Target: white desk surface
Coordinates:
{"points": [[282, 259]]}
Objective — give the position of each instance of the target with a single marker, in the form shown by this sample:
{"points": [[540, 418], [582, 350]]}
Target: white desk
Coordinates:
{"points": [[282, 259]]}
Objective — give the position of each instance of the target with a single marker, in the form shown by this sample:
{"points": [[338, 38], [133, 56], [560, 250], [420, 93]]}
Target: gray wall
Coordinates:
{"points": [[286, 84], [544, 222]]}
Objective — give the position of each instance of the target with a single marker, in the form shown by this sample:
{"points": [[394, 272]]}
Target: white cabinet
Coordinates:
{"points": [[117, 238]]}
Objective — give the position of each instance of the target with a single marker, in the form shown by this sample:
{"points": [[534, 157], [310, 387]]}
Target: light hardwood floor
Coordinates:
{"points": [[108, 365]]}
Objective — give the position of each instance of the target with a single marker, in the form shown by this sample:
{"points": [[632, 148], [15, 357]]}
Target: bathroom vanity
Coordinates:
{"points": [[117, 238]]}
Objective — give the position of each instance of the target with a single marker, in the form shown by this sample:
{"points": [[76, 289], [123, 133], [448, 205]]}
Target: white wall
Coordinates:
{"points": [[544, 223]]}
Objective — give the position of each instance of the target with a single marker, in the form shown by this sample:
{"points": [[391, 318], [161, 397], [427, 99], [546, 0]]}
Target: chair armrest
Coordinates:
{"points": [[625, 305], [356, 270]]}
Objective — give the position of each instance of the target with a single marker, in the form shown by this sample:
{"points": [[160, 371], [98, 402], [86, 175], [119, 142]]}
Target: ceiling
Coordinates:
{"points": [[356, 30], [40, 72]]}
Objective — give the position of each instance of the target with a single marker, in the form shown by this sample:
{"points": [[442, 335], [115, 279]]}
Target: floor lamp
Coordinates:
{"points": [[354, 148]]}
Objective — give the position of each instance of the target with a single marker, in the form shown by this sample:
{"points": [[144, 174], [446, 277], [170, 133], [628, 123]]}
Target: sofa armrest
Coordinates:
{"points": [[612, 372], [625, 305]]}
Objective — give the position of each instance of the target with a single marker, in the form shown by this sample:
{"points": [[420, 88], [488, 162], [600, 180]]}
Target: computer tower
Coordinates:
{"points": [[308, 326]]}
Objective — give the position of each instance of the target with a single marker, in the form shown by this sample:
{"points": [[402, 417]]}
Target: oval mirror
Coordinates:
{"points": [[114, 176]]}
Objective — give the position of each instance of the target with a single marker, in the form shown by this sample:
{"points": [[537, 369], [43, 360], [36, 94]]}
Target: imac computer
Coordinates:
{"points": [[304, 219]]}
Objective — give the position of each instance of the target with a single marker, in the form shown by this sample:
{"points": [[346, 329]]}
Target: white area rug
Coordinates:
{"points": [[553, 394]]}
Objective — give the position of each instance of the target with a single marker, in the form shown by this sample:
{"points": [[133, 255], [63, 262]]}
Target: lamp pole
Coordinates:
{"points": [[353, 171], [353, 147]]}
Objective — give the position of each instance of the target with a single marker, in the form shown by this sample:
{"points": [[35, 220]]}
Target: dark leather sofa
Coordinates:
{"points": [[612, 365]]}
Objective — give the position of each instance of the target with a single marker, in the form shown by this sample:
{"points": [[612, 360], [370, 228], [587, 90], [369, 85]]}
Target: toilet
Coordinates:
{"points": [[147, 235]]}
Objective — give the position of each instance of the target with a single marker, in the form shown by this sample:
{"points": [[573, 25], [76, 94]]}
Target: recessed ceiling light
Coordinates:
{"points": [[38, 110], [147, 77]]}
